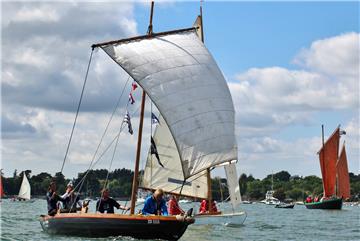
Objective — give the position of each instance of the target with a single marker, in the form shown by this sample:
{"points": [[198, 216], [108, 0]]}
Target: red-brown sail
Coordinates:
{"points": [[1, 188], [343, 181], [328, 156]]}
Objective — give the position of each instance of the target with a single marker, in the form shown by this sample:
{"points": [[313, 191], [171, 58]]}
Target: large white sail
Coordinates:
{"points": [[182, 79], [233, 185], [25, 189], [170, 177]]}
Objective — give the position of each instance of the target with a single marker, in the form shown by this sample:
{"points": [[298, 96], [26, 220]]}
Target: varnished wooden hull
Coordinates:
{"points": [[327, 204], [104, 225]]}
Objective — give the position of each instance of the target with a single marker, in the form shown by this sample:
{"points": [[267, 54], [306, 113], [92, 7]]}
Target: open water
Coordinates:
{"points": [[20, 221]]}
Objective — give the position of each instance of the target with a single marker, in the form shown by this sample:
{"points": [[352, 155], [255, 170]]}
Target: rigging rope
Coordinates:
{"points": [[113, 155], [92, 164], [77, 111], [105, 131]]}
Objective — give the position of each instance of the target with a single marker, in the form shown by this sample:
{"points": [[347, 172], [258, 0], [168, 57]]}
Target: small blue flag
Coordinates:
{"points": [[154, 119]]}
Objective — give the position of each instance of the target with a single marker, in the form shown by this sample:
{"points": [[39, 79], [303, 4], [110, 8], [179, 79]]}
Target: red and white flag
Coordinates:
{"points": [[134, 86]]}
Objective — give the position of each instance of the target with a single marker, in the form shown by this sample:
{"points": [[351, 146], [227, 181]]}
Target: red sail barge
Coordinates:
{"points": [[335, 174]]}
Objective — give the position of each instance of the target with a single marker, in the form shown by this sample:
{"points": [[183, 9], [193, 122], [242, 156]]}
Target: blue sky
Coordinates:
{"points": [[242, 35], [290, 68]]}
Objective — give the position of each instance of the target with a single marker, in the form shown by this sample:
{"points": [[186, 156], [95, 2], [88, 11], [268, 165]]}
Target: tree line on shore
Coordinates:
{"points": [[120, 182]]}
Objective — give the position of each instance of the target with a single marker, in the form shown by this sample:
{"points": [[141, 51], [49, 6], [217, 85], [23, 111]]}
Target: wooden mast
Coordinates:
{"points": [[209, 189], [323, 153], [208, 170], [138, 150], [201, 23]]}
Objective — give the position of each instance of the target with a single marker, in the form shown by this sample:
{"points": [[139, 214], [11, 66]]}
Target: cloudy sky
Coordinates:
{"points": [[290, 67]]}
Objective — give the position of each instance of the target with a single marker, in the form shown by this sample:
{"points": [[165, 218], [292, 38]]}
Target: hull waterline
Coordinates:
{"points": [[327, 204], [105, 225]]}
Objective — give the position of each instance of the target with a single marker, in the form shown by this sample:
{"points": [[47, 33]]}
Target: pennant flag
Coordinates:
{"points": [[154, 119], [153, 151], [131, 99], [134, 86], [127, 120]]}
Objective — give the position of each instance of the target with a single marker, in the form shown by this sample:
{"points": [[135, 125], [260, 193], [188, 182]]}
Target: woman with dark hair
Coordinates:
{"points": [[52, 198]]}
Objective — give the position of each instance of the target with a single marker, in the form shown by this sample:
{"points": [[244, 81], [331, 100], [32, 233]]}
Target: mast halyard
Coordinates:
{"points": [[138, 149]]}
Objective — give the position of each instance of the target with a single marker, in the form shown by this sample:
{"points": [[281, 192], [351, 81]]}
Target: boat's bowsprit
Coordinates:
{"points": [[105, 225]]}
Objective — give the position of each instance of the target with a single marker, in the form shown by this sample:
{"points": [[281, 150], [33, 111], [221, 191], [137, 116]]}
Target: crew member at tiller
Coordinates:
{"points": [[107, 204]]}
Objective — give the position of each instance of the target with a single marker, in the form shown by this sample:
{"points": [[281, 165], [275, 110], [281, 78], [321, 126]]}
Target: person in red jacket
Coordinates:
{"points": [[173, 206], [203, 206]]}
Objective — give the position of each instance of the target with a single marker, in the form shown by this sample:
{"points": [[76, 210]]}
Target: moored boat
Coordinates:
{"points": [[285, 205]]}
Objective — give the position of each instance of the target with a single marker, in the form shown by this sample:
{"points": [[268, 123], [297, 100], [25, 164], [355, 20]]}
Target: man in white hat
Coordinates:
{"points": [[71, 200]]}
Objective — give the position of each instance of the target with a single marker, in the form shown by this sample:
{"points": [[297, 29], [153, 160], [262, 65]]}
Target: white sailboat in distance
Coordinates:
{"points": [[25, 189]]}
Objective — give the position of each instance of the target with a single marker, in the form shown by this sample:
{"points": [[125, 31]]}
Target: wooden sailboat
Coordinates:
{"points": [[335, 174], [189, 149], [171, 67]]}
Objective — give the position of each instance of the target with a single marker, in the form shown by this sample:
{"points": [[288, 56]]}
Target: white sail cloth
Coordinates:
{"points": [[233, 185], [184, 82], [25, 189], [170, 177]]}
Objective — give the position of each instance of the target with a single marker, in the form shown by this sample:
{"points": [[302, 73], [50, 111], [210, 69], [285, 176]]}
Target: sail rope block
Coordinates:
{"points": [[77, 111]]}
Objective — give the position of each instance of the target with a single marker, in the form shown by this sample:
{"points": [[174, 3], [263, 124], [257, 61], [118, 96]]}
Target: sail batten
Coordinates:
{"points": [[185, 84]]}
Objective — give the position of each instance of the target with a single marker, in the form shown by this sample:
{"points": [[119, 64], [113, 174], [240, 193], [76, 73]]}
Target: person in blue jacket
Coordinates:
{"points": [[155, 204]]}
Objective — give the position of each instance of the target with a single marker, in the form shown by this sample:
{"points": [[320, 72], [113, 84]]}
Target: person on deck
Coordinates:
{"points": [[71, 200], [107, 204], [213, 206], [155, 204], [174, 208], [203, 206], [52, 199]]}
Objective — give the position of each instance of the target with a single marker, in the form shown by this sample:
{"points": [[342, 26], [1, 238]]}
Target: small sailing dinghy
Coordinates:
{"points": [[335, 174], [25, 190], [196, 133]]}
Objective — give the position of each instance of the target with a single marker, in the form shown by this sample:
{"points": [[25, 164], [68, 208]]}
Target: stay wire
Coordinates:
{"points": [[113, 155], [99, 158], [103, 135], [77, 111]]}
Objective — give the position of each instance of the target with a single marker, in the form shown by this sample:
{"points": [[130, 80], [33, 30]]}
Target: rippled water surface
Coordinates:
{"points": [[20, 221]]}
